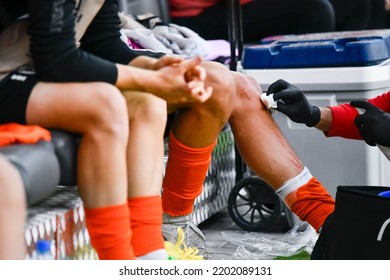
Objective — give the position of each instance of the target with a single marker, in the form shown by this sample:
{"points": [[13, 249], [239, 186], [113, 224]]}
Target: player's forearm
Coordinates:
{"points": [[144, 62], [134, 78], [325, 122]]}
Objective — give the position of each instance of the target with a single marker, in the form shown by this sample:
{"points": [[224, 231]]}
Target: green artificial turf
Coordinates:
{"points": [[302, 255]]}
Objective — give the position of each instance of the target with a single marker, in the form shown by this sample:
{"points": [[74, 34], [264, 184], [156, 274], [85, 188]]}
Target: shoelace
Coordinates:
{"points": [[179, 250]]}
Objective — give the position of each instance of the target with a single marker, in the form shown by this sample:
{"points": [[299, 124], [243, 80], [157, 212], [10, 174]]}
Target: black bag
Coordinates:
{"points": [[359, 228]]}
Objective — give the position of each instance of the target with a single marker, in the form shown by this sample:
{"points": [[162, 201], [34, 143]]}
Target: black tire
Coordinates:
{"points": [[253, 205]]}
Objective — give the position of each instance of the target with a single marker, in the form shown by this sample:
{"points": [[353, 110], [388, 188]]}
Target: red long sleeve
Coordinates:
{"points": [[344, 116]]}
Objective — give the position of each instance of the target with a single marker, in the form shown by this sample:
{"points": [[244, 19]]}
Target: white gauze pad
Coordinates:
{"points": [[268, 100]]}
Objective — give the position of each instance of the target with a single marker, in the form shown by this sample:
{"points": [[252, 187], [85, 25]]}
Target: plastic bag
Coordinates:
{"points": [[260, 245]]}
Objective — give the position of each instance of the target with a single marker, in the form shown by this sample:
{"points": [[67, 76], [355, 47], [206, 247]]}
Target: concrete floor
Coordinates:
{"points": [[218, 246]]}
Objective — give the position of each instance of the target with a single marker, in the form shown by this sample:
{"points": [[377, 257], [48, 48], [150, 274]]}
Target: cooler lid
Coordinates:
{"points": [[331, 49]]}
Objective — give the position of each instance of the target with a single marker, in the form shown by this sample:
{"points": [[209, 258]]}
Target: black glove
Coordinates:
{"points": [[373, 124], [293, 103]]}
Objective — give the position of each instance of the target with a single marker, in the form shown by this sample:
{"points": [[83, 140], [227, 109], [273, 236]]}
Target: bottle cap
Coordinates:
{"points": [[43, 245], [385, 194]]}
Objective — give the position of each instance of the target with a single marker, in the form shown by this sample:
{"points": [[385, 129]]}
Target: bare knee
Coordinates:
{"points": [[148, 110], [109, 112], [247, 95], [221, 102]]}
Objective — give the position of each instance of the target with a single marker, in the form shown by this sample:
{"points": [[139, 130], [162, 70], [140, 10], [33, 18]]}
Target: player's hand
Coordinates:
{"points": [[183, 82]]}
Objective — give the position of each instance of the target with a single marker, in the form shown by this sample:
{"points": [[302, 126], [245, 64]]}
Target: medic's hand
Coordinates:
{"points": [[373, 124], [292, 102]]}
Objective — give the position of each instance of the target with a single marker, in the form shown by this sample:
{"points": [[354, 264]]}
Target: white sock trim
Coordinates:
{"points": [[294, 183], [159, 254], [177, 220]]}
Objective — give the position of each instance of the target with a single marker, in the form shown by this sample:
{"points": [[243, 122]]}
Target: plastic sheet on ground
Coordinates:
{"points": [[263, 246]]}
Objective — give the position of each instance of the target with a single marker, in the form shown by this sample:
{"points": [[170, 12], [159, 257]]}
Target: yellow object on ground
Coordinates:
{"points": [[179, 250]]}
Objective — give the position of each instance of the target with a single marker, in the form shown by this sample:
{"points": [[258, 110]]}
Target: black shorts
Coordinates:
{"points": [[15, 90], [170, 119]]}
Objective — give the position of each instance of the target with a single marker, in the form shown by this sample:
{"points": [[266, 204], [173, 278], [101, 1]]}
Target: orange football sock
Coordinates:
{"points": [[185, 173], [146, 224], [308, 199], [109, 229], [313, 203]]}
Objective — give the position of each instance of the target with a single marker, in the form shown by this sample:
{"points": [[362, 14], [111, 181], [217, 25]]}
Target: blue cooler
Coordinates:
{"points": [[334, 49], [331, 68]]}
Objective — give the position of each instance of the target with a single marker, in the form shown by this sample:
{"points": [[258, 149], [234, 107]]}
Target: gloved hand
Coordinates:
{"points": [[292, 102], [373, 124]]}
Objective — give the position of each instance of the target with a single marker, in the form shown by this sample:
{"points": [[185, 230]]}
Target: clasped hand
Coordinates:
{"points": [[182, 80]]}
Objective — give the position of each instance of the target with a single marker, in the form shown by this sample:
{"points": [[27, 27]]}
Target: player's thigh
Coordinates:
{"points": [[73, 106]]}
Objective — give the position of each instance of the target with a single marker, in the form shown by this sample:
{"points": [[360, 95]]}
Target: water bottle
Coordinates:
{"points": [[44, 250], [385, 194]]}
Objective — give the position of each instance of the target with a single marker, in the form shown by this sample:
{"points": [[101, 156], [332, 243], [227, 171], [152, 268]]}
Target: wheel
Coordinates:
{"points": [[253, 205]]}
